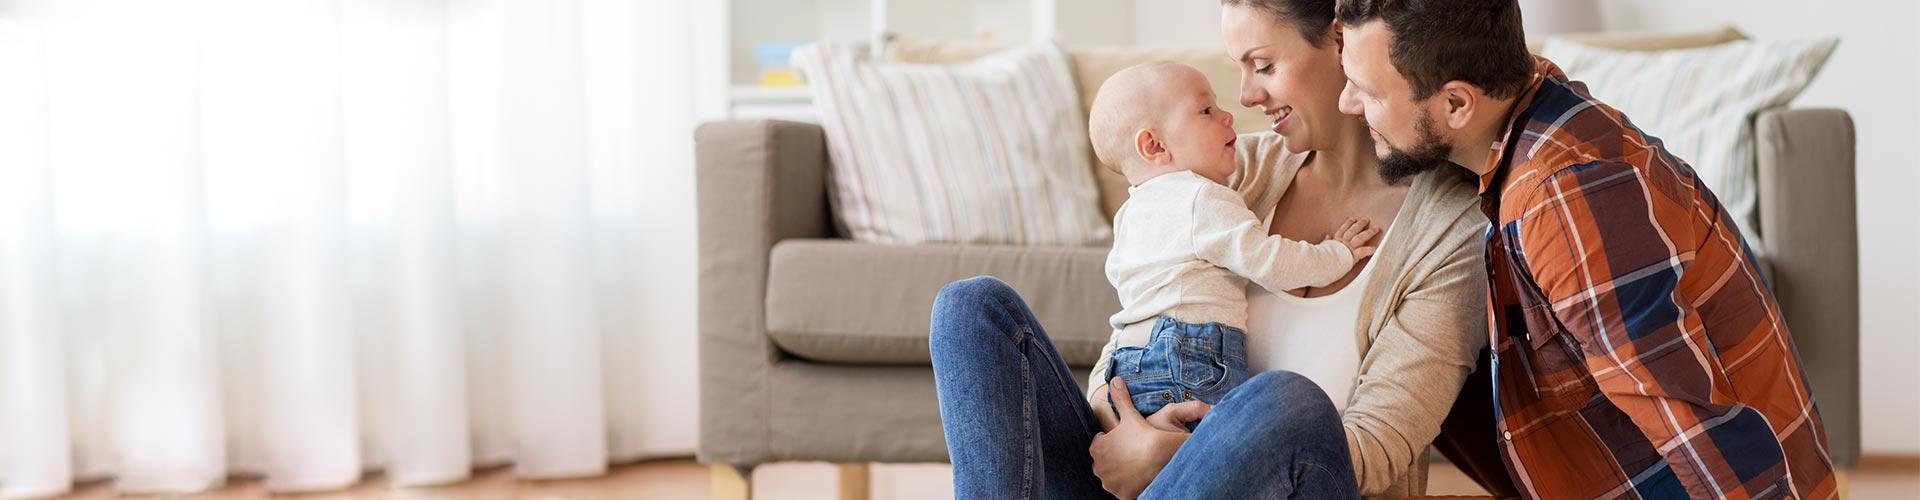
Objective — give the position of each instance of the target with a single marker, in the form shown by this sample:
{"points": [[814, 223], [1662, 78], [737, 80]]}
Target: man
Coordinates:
{"points": [[1637, 352]]}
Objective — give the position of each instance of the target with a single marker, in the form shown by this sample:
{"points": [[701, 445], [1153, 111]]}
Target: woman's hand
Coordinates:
{"points": [[1135, 448], [1102, 411], [1171, 418]]}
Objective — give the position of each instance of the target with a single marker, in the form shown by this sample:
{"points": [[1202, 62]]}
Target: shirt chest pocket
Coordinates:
{"points": [[1550, 358], [1554, 359]]}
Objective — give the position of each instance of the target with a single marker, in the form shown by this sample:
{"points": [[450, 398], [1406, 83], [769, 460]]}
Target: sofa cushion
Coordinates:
{"points": [[991, 151], [1091, 68], [849, 302]]}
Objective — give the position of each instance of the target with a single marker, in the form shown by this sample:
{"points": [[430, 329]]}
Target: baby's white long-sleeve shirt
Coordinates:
{"points": [[1185, 247]]}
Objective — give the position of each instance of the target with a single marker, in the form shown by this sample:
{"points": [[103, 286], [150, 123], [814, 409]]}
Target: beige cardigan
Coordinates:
{"points": [[1422, 320]]}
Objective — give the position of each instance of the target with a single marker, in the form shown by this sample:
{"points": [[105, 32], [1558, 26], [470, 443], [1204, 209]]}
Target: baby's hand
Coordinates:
{"points": [[1355, 234]]}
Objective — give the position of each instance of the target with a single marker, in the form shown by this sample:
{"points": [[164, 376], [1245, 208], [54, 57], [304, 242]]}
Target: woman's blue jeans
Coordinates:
{"points": [[1018, 426]]}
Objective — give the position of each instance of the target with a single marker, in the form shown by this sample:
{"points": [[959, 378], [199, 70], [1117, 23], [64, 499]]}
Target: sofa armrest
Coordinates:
{"points": [[757, 182], [1809, 235]]}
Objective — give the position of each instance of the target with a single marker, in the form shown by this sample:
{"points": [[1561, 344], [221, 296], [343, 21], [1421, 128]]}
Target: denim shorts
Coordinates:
{"points": [[1181, 362]]}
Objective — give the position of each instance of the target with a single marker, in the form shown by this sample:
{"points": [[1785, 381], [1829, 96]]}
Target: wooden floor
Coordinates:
{"points": [[684, 479]]}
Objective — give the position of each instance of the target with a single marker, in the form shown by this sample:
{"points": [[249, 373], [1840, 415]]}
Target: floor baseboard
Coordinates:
{"points": [[1888, 463]]}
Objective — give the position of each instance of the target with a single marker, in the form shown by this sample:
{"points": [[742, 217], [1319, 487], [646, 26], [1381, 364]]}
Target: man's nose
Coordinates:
{"points": [[1349, 103]]}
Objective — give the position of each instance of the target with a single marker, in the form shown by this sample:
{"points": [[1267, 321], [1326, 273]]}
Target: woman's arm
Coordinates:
{"points": [[1411, 374], [1260, 159], [1097, 384]]}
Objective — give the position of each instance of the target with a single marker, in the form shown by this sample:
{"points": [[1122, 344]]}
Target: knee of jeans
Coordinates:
{"points": [[971, 296], [1287, 396], [966, 301]]}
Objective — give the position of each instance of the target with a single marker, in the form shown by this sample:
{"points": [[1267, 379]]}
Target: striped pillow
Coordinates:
{"points": [[990, 151], [1701, 102]]}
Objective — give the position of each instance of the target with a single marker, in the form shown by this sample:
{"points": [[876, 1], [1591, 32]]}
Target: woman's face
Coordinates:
{"points": [[1296, 84]]}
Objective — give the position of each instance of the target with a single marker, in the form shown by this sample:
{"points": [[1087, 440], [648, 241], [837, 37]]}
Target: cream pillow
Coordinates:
{"points": [[1091, 67], [988, 151], [1701, 102]]}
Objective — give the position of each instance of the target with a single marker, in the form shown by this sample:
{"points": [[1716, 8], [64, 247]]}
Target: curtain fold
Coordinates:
{"points": [[34, 421], [303, 239]]}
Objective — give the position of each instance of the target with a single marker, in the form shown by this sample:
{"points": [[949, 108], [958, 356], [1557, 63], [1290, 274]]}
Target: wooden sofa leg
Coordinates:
{"points": [[730, 483], [855, 481]]}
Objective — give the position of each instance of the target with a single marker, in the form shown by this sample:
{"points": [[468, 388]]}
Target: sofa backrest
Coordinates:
{"points": [[1092, 66]]}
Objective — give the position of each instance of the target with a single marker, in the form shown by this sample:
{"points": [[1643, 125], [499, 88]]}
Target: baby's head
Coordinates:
{"points": [[1160, 117]]}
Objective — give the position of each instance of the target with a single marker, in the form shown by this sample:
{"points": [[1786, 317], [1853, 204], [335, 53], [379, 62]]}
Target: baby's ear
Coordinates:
{"points": [[1148, 145]]}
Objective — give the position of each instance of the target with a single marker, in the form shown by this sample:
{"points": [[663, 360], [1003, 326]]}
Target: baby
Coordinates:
{"points": [[1185, 244]]}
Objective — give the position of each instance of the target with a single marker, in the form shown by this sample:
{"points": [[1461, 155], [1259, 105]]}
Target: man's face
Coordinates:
{"points": [[1406, 135]]}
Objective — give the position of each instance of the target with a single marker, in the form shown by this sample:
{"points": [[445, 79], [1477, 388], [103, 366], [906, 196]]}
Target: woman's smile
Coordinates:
{"points": [[1281, 117]]}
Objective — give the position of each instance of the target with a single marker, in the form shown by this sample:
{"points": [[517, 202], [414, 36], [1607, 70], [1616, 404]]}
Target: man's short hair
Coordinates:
{"points": [[1438, 41]]}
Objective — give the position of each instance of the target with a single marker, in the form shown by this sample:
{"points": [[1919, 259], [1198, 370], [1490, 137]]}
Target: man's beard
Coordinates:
{"points": [[1429, 153]]}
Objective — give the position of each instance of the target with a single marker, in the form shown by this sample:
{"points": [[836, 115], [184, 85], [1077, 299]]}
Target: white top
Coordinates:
{"points": [[1186, 247], [1312, 336]]}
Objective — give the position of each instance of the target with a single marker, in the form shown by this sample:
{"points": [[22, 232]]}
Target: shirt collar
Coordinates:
{"points": [[1542, 70]]}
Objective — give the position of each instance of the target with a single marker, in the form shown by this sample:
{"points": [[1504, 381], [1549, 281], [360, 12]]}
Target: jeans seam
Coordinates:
{"points": [[1021, 330], [1023, 340], [1020, 339], [1072, 387], [1027, 427]]}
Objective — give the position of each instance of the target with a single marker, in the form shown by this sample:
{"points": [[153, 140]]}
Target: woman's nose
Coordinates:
{"points": [[1250, 95]]}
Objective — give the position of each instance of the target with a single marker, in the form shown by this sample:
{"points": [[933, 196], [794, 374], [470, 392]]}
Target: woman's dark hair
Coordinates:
{"points": [[1312, 18]]}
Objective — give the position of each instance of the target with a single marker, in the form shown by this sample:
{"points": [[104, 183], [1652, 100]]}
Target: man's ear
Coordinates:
{"points": [[1459, 101], [1338, 38], [1148, 145]]}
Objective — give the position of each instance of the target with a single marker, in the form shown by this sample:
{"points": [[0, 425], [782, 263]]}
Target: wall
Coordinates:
{"points": [[1164, 23]]}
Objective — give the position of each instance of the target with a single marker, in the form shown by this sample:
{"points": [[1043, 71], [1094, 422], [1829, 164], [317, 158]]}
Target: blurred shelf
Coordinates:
{"points": [[765, 93]]}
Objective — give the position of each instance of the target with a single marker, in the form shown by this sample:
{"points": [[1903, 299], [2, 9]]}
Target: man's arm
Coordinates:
{"points": [[1608, 252]]}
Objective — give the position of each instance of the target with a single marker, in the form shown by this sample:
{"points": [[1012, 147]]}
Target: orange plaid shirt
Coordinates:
{"points": [[1638, 351]]}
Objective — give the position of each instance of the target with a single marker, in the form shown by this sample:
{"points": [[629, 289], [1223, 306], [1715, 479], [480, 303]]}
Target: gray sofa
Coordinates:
{"points": [[813, 347]]}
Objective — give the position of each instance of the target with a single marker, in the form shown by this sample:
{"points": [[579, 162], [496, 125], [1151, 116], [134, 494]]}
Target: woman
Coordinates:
{"points": [[1373, 361]]}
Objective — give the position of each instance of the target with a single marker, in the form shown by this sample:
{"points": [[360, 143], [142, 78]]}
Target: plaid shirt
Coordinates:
{"points": [[1638, 352]]}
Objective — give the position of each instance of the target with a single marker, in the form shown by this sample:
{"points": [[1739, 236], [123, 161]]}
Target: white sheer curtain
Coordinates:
{"points": [[308, 238]]}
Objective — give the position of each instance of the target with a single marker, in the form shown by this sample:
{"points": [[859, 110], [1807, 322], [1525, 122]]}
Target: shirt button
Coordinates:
{"points": [[1506, 435]]}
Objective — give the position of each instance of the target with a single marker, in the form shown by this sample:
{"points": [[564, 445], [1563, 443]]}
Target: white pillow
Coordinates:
{"points": [[989, 151], [1701, 102]]}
